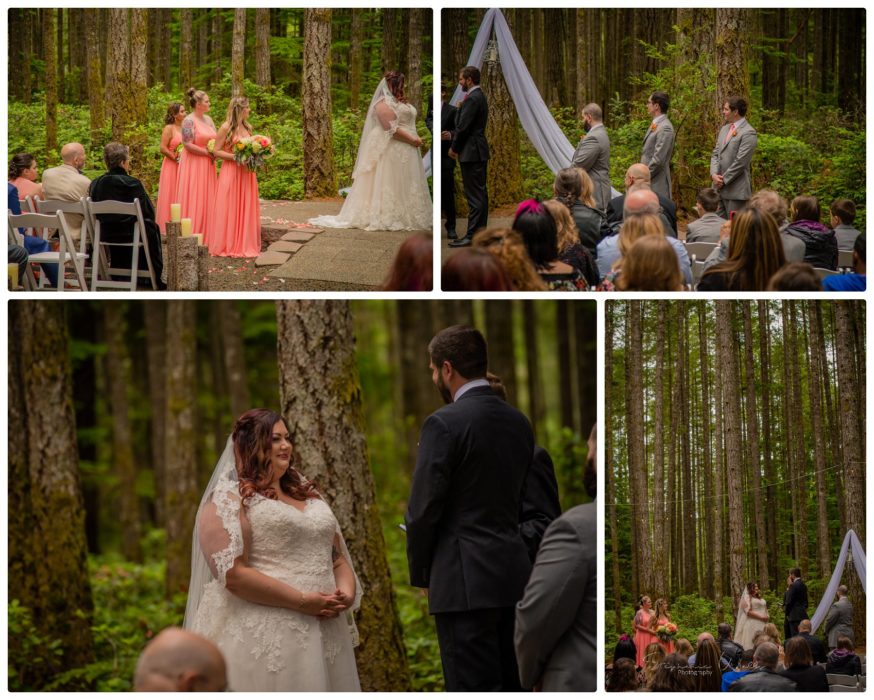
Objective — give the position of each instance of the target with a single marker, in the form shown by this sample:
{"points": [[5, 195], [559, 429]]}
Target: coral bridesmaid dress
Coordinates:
{"points": [[197, 181], [167, 184], [235, 225]]}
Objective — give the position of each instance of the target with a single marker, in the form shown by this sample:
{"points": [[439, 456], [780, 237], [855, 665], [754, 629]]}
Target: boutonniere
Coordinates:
{"points": [[583, 135], [653, 127]]}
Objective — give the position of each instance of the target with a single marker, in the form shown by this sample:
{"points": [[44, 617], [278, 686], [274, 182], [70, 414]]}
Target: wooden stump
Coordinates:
{"points": [[202, 268], [174, 232], [182, 262]]}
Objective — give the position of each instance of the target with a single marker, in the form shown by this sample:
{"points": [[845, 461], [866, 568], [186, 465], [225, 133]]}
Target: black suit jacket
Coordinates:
{"points": [[448, 114], [540, 504], [817, 650], [469, 138], [796, 601], [615, 212], [463, 540]]}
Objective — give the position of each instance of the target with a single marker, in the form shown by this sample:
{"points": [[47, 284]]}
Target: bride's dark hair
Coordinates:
{"points": [[253, 442], [395, 82], [751, 588]]}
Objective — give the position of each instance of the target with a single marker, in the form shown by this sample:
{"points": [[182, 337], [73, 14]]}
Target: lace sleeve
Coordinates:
{"points": [[379, 129], [221, 527]]}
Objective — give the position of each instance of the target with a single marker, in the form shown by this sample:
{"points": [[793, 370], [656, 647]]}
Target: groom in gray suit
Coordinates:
{"points": [[658, 144], [593, 154], [732, 155]]}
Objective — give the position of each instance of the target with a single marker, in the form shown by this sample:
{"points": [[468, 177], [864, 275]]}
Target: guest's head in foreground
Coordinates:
{"points": [[843, 212], [653, 656], [672, 675], [177, 660], [770, 629], [651, 265], [508, 247], [684, 647], [175, 113], [566, 229], [22, 165], [198, 101], [412, 268], [707, 201], [723, 631], [474, 270], [708, 667], [458, 354], [395, 82], [769, 202], [755, 252], [795, 277], [637, 177], [623, 678], [539, 232], [73, 154], [845, 642], [567, 186], [796, 652], [641, 201], [804, 208], [634, 228], [624, 649], [116, 155]]}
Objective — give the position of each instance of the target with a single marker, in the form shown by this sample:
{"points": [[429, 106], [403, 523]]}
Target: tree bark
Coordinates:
{"points": [[95, 79], [138, 93], [732, 75], [318, 149], [217, 36], [502, 349], [536, 402], [155, 316], [238, 52], [458, 42], [262, 46], [817, 375], [47, 556], [770, 478], [611, 477], [708, 546], [356, 58], [414, 59], [660, 573], [390, 56], [50, 51], [231, 329], [186, 76], [321, 400]]}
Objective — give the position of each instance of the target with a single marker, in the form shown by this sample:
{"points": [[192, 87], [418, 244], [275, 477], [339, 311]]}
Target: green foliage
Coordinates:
{"points": [[28, 651]]}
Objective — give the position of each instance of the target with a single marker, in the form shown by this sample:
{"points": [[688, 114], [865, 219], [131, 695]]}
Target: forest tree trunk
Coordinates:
{"points": [[238, 52], [186, 79], [318, 148], [262, 47], [732, 75], [50, 50]]}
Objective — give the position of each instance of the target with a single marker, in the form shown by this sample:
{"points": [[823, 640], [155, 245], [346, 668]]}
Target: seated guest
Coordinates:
{"points": [[32, 244], [623, 677], [119, 185], [650, 266], [653, 656], [795, 277], [707, 637], [742, 668], [842, 659], [573, 188], [672, 676], [570, 250], [22, 174], [179, 660], [540, 236], [855, 281], [705, 229], [820, 244], [684, 646], [809, 677], [18, 254], [474, 270], [67, 183], [640, 201], [708, 666], [411, 270], [507, 246], [754, 255], [817, 648], [763, 678], [843, 214], [634, 228], [731, 650], [637, 177]]}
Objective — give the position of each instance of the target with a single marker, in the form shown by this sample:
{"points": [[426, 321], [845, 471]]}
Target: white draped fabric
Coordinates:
{"points": [[851, 542], [535, 117]]}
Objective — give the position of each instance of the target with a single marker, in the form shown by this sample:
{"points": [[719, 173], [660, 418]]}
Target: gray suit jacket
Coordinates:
{"points": [[732, 161], [839, 621], [556, 620], [704, 229], [846, 236], [658, 147], [593, 156]]}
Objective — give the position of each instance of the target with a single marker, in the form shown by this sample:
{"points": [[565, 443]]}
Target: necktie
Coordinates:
{"points": [[731, 132]]}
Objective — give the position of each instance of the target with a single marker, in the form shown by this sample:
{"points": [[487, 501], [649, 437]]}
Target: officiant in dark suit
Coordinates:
{"points": [[470, 148], [463, 541], [794, 603], [447, 164]]}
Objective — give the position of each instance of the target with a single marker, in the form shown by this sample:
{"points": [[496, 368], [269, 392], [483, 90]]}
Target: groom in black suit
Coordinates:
{"points": [[470, 148], [447, 164], [463, 541], [794, 604]]}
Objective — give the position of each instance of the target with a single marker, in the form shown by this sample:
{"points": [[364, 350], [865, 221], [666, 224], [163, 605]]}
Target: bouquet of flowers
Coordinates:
{"points": [[210, 146], [178, 152], [666, 632], [253, 151]]}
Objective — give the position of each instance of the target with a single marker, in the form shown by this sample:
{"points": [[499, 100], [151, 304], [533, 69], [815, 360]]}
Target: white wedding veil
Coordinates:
{"points": [[217, 540], [743, 606], [376, 133]]}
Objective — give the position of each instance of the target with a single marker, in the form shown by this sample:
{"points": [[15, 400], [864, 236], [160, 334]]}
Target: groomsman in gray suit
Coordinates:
{"points": [[658, 145], [840, 618], [732, 155], [593, 154]]}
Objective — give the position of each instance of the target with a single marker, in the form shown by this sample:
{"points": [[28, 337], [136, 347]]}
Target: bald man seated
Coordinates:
{"points": [[637, 177], [180, 661], [67, 183]]}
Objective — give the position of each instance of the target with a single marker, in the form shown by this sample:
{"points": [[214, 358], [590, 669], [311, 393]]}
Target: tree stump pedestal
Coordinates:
{"points": [[187, 262]]}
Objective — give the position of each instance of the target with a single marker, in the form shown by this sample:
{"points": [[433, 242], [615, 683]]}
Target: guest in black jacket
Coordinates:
{"points": [[843, 659], [817, 648], [820, 243], [119, 185], [800, 668]]}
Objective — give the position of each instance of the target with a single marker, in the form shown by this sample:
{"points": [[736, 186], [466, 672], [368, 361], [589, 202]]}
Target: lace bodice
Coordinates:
{"points": [[406, 115]]}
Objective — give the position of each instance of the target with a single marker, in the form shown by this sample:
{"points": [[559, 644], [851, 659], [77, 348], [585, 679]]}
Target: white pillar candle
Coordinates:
{"points": [[199, 237], [186, 227], [175, 213]]}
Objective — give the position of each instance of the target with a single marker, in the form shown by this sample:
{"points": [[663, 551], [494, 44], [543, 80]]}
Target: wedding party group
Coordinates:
{"points": [[510, 580], [749, 657], [590, 236]]}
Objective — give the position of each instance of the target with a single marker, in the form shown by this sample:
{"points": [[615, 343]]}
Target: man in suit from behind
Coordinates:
{"points": [[637, 178], [463, 541], [658, 144], [817, 650], [795, 603], [447, 164], [840, 618], [705, 229], [471, 149], [67, 183], [732, 155], [593, 154], [556, 620]]}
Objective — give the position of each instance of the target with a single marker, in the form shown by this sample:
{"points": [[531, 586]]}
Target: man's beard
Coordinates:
{"points": [[586, 127], [444, 390], [463, 87]]}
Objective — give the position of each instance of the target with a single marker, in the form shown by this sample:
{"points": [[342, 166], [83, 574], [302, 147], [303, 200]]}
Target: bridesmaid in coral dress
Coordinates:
{"points": [[662, 618], [235, 225], [643, 634], [171, 137], [197, 180]]}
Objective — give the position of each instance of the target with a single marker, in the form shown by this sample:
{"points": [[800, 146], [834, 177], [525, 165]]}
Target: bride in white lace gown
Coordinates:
{"points": [[389, 190], [272, 583], [752, 615]]}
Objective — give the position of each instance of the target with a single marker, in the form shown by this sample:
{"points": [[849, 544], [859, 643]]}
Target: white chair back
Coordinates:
{"points": [[101, 274], [845, 259], [50, 206], [67, 251], [699, 249]]}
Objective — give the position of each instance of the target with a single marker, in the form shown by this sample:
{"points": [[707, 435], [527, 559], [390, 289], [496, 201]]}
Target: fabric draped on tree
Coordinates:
{"points": [[851, 541]]}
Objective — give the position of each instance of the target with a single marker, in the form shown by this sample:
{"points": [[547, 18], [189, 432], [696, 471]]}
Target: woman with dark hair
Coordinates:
{"points": [[623, 678], [708, 667], [809, 677], [755, 253], [540, 235], [672, 675], [474, 270], [171, 140], [196, 184], [389, 190], [23, 175], [411, 270], [842, 659], [820, 243], [272, 583]]}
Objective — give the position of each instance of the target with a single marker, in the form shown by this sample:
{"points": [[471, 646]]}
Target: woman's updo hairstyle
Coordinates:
{"points": [[19, 163], [172, 110], [395, 82], [195, 96], [253, 441]]}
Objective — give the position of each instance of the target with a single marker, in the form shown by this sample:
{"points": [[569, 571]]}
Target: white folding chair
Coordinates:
{"points": [[700, 249], [104, 278], [840, 679], [15, 238], [843, 689], [45, 223], [50, 206], [697, 271], [845, 259]]}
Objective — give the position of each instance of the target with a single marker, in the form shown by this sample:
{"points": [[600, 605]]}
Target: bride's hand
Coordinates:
{"points": [[320, 604], [417, 142]]}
